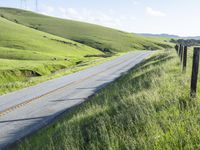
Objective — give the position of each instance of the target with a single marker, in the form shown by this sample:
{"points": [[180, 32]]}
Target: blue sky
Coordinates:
{"points": [[142, 16]]}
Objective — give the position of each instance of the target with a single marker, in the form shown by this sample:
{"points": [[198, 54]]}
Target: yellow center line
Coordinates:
{"points": [[11, 109]]}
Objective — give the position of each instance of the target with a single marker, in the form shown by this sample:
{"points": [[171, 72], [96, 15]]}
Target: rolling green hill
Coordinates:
{"points": [[99, 37], [26, 53], [19, 42]]}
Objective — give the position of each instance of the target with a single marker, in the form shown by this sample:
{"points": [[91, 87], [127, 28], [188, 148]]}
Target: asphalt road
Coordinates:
{"points": [[27, 110]]}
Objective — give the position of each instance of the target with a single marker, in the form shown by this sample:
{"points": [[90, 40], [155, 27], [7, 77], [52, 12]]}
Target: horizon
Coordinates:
{"points": [[148, 16]]}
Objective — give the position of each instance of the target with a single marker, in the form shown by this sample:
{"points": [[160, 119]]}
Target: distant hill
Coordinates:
{"points": [[192, 37], [169, 36], [159, 35], [102, 38]]}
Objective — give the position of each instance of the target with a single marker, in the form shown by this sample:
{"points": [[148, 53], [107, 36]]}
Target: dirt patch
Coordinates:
{"points": [[30, 73], [102, 56], [61, 41]]}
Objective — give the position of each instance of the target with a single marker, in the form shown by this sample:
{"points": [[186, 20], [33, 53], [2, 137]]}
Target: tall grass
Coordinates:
{"points": [[149, 108]]}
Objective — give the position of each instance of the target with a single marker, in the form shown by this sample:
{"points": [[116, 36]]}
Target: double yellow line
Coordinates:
{"points": [[11, 109]]}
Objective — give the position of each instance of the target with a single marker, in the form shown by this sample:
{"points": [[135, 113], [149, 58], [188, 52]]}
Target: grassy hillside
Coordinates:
{"points": [[19, 42], [149, 108], [26, 53], [99, 37]]}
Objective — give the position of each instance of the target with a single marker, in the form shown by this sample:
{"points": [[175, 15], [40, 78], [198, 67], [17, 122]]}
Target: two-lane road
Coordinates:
{"points": [[27, 110]]}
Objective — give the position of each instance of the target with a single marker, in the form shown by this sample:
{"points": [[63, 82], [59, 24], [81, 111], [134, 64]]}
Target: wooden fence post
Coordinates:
{"points": [[195, 71], [185, 59], [181, 54], [179, 50], [177, 47]]}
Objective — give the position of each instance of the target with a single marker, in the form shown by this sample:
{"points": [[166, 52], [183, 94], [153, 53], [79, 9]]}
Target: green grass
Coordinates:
{"points": [[19, 42], [105, 39], [149, 108], [28, 56]]}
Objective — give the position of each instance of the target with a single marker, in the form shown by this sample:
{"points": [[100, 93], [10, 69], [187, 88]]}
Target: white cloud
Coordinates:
{"points": [[109, 19], [156, 13], [135, 2], [47, 10], [69, 13]]}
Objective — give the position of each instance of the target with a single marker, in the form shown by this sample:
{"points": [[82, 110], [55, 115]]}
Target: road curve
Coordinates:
{"points": [[27, 110]]}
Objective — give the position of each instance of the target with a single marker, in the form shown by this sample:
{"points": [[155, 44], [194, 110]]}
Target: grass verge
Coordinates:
{"points": [[23, 73], [149, 108]]}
